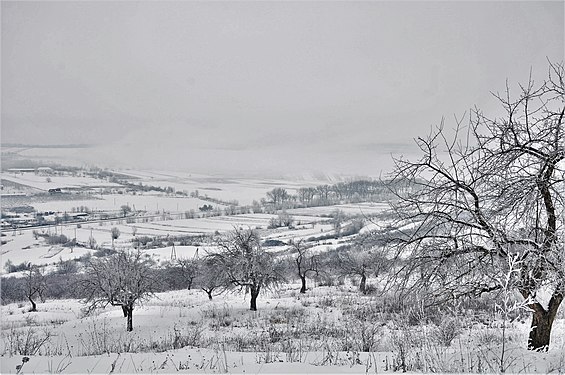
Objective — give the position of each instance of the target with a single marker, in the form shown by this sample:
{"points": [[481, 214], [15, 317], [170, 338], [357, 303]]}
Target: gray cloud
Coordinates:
{"points": [[253, 85]]}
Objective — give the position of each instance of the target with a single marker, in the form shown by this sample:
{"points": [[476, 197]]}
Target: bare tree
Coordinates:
{"points": [[495, 191], [324, 192], [338, 217], [114, 233], [184, 271], [34, 286], [278, 196], [245, 264], [305, 195], [359, 262], [306, 263], [211, 277], [283, 219], [122, 279], [126, 209], [91, 243]]}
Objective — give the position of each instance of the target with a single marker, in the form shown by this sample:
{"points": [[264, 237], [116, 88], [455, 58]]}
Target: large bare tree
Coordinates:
{"points": [[492, 192], [245, 264], [122, 279]]}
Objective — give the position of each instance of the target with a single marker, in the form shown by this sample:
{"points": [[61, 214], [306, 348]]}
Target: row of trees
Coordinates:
{"points": [[127, 278], [323, 195], [240, 263]]}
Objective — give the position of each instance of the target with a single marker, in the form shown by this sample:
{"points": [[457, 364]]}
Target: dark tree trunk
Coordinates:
{"points": [[209, 293], [129, 310], [33, 305], [540, 331], [363, 284], [303, 288], [254, 294], [125, 311], [542, 322]]}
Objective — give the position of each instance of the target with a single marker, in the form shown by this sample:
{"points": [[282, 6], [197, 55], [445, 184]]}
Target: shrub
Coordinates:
{"points": [[282, 220], [56, 239], [11, 290], [448, 329], [100, 253], [28, 342], [67, 267], [10, 267]]}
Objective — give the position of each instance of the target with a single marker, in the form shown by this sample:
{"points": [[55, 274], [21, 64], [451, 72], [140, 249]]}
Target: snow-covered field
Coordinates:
{"points": [[22, 246], [46, 182], [113, 202], [327, 330], [361, 209], [244, 190], [330, 329]]}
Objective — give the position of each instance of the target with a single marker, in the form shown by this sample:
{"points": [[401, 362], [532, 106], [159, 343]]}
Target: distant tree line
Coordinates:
{"points": [[324, 195]]}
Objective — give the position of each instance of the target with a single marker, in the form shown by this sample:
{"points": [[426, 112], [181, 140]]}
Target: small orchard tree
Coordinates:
{"points": [[338, 217], [357, 262], [183, 271], [34, 286], [493, 191], [123, 279], [306, 263], [114, 233], [211, 278], [245, 264]]}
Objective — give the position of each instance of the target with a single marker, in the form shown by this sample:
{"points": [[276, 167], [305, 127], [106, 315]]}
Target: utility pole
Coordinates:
{"points": [[173, 252]]}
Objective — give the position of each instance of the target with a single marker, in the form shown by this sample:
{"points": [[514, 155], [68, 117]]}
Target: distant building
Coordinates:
{"points": [[21, 170]]}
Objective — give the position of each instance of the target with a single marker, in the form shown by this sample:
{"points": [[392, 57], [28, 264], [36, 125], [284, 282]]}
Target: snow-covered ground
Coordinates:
{"points": [[46, 182], [361, 209], [244, 190], [323, 331], [330, 329], [150, 202], [22, 246]]}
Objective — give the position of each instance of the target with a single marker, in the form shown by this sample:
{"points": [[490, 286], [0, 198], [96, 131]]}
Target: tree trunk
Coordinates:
{"points": [[303, 288], [363, 283], [540, 331], [125, 311], [129, 310], [209, 293], [254, 294], [542, 322], [33, 305]]}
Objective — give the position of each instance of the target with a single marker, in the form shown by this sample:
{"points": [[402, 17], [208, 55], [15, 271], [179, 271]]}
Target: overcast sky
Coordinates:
{"points": [[260, 86]]}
